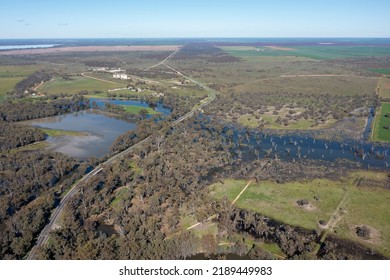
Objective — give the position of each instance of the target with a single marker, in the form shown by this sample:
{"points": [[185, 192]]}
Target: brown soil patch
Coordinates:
{"points": [[308, 207], [92, 49], [280, 48], [375, 236], [386, 84]]}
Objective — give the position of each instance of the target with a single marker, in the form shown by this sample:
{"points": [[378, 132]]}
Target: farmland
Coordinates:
{"points": [[366, 204], [288, 118], [314, 52], [10, 75], [381, 131], [384, 86], [75, 85]]}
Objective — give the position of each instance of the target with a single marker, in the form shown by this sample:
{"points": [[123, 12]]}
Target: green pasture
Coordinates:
{"points": [[365, 205], [74, 86], [380, 133], [59, 132], [136, 109], [320, 52], [385, 71]]}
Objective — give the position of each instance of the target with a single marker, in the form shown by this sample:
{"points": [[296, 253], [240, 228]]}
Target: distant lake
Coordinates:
{"points": [[20, 47], [101, 133]]}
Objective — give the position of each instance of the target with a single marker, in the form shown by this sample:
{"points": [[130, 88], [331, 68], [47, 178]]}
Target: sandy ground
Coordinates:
{"points": [[92, 49]]}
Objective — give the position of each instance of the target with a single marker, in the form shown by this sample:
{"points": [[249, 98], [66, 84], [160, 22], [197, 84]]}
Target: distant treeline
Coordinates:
{"points": [[206, 51], [30, 82]]}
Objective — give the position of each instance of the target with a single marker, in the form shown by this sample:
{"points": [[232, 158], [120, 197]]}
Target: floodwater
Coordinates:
{"points": [[101, 130], [101, 133], [256, 145]]}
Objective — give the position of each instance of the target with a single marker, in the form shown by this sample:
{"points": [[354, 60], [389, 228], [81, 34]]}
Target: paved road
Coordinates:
{"points": [[164, 60], [45, 233]]}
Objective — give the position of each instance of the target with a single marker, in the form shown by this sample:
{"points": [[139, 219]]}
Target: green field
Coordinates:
{"points": [[136, 109], [365, 205], [11, 75], [385, 71], [59, 132], [379, 132], [74, 86], [7, 84], [383, 87], [314, 52], [278, 201]]}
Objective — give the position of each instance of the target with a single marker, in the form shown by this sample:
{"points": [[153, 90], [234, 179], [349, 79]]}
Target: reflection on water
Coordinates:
{"points": [[158, 106], [253, 145], [102, 131]]}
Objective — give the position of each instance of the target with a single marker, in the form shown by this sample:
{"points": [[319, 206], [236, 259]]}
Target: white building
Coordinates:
{"points": [[120, 76]]}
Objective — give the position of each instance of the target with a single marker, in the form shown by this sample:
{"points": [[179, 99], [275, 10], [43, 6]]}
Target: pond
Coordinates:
{"points": [[101, 131]]}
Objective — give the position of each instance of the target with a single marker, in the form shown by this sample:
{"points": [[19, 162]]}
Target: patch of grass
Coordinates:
{"points": [[278, 201], [7, 84], [10, 75], [119, 195], [314, 52], [59, 132], [74, 86], [380, 133], [367, 205], [18, 70], [383, 87], [136, 109], [385, 71], [32, 147]]}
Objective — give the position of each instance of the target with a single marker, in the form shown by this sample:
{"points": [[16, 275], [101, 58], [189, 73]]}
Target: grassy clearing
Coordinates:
{"points": [[314, 52], [59, 132], [383, 88], [380, 133], [251, 121], [136, 109], [278, 201], [11, 75], [7, 84], [120, 194], [31, 147], [366, 204], [74, 86], [18, 70]]}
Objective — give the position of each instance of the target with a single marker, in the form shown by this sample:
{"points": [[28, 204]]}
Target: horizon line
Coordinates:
{"points": [[206, 37]]}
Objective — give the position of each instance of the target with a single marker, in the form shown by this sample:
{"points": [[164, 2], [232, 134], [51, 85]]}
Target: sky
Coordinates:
{"points": [[197, 18]]}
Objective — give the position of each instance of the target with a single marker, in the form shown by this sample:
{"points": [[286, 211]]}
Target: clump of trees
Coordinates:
{"points": [[30, 82], [12, 111], [30, 187], [14, 136]]}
